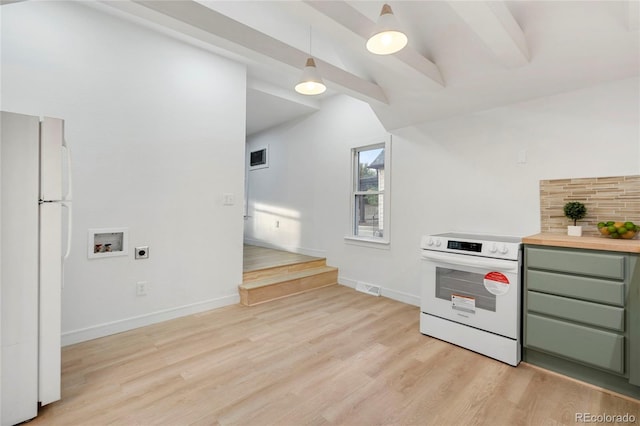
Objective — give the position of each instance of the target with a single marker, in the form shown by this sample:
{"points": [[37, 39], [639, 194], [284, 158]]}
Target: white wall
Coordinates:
{"points": [[457, 174], [307, 163], [157, 129]]}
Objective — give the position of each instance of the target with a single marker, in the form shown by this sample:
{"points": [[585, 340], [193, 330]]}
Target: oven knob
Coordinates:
{"points": [[438, 243], [430, 242], [493, 248], [504, 249]]}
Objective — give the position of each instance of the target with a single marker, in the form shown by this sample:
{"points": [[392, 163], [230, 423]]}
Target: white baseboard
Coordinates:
{"points": [[292, 249], [107, 329], [400, 296]]}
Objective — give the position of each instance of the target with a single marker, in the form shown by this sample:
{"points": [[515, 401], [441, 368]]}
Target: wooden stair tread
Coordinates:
{"points": [[274, 274], [276, 279]]}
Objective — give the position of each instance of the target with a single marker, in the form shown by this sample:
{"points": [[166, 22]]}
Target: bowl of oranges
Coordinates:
{"points": [[625, 230]]}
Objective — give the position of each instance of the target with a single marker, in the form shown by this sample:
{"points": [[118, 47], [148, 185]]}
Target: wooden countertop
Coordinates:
{"points": [[593, 243]]}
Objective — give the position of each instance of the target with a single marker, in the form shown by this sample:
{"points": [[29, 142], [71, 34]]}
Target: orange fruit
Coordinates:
{"points": [[628, 235], [618, 224]]}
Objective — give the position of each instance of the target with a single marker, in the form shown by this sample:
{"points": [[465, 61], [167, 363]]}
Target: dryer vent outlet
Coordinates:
{"points": [[371, 289]]}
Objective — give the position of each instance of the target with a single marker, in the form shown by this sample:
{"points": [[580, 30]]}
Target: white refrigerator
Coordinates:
{"points": [[34, 162]]}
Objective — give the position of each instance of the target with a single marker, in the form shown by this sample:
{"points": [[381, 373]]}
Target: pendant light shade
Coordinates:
{"points": [[311, 83], [387, 37]]}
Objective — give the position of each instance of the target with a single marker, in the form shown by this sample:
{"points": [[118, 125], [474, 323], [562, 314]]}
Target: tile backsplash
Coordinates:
{"points": [[606, 198]]}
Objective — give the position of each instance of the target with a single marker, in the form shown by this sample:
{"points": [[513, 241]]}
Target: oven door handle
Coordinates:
{"points": [[464, 260]]}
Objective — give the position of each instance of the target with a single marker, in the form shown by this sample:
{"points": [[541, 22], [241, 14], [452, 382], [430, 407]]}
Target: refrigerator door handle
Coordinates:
{"points": [[69, 227], [68, 195]]}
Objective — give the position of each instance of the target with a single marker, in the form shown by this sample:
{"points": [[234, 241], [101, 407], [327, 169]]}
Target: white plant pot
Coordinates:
{"points": [[574, 231]]}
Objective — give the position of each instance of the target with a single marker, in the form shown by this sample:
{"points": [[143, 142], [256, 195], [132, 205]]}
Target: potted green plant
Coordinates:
{"points": [[575, 211]]}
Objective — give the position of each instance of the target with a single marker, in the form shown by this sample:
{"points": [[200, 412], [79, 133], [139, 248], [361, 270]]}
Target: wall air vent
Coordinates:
{"points": [[259, 158]]}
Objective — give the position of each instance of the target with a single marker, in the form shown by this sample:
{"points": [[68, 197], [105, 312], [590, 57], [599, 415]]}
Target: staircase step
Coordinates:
{"points": [[282, 269], [278, 286]]}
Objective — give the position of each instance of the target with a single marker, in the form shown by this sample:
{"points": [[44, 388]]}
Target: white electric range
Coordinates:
{"points": [[472, 292]]}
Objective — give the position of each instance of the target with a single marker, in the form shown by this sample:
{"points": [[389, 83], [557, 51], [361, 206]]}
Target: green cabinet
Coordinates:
{"points": [[579, 311], [581, 314], [577, 286], [599, 348], [576, 261]]}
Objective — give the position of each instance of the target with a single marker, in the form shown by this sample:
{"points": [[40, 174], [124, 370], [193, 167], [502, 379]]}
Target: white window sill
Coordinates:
{"points": [[377, 243]]}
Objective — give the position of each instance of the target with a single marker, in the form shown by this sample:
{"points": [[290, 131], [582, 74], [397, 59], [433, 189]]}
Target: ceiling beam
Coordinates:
{"points": [[495, 26], [279, 92], [356, 22], [196, 20]]}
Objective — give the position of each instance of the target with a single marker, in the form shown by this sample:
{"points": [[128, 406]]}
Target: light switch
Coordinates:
{"points": [[522, 156], [228, 199]]}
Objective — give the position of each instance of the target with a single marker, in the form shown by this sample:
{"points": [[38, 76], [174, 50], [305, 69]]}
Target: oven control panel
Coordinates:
{"points": [[464, 245], [479, 245]]}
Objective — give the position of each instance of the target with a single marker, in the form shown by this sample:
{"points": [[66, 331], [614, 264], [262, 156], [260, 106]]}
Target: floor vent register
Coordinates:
{"points": [[371, 289]]}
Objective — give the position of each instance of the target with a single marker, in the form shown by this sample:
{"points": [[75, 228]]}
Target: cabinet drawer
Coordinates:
{"points": [[579, 262], [594, 289], [577, 310], [599, 348]]}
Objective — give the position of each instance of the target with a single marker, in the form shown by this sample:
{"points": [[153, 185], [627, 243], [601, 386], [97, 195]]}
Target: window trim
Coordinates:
{"points": [[351, 238]]}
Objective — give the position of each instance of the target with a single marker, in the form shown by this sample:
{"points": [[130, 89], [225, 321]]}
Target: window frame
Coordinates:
{"points": [[352, 237]]}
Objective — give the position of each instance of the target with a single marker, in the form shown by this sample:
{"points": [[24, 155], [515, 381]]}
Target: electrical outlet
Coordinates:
{"points": [[141, 288], [142, 252]]}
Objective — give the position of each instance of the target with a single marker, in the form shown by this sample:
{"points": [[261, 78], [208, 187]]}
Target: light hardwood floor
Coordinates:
{"points": [[256, 258], [331, 356]]}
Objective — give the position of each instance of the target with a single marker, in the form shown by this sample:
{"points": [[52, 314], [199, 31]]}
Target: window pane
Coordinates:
{"points": [[369, 215], [371, 169]]}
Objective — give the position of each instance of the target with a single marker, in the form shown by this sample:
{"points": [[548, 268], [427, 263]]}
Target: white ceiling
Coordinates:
{"points": [[462, 56]]}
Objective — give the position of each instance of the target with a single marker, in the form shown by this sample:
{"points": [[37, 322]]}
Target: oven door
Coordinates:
{"points": [[480, 292]]}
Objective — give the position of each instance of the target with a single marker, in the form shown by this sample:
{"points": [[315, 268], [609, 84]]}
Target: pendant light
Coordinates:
{"points": [[311, 83], [387, 37]]}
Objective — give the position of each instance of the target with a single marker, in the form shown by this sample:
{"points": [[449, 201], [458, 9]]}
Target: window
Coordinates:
{"points": [[370, 192]]}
